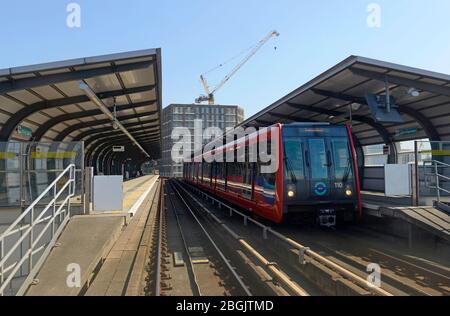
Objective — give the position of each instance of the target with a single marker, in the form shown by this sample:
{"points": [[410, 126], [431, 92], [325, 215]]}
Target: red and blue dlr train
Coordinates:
{"points": [[316, 178]]}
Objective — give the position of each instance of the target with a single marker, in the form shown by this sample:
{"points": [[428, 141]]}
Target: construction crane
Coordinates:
{"points": [[209, 96]]}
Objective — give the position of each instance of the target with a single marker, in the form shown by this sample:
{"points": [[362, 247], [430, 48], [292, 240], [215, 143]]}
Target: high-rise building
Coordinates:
{"points": [[185, 115]]}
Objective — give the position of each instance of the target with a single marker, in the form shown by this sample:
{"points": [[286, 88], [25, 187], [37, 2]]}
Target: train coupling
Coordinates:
{"points": [[327, 218]]}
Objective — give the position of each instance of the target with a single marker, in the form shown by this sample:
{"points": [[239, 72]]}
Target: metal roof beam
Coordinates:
{"points": [[107, 130], [426, 124], [339, 96], [103, 137], [93, 152], [264, 123], [95, 143], [288, 117], [104, 153], [402, 81], [91, 94], [76, 127], [315, 109], [17, 118], [29, 83], [43, 129], [91, 147]]}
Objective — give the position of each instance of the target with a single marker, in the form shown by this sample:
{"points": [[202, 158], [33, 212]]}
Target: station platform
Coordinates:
{"points": [[427, 218], [87, 241]]}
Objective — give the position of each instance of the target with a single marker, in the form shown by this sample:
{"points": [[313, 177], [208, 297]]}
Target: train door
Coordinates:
{"points": [[319, 168]]}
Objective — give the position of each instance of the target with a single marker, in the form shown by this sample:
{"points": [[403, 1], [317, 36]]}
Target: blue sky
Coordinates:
{"points": [[197, 35]]}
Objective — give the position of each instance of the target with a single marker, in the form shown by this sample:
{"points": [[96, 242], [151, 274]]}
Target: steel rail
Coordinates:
{"points": [[221, 254], [303, 250], [279, 275], [197, 291], [160, 242]]}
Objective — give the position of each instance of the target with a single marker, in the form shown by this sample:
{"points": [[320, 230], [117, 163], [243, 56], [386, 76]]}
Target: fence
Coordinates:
{"points": [[27, 242]]}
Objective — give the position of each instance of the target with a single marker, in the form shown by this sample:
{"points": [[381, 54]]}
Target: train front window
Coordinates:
{"points": [[293, 159], [318, 155], [342, 159]]}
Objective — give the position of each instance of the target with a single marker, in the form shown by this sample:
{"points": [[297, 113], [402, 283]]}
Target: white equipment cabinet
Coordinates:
{"points": [[108, 193], [398, 180]]}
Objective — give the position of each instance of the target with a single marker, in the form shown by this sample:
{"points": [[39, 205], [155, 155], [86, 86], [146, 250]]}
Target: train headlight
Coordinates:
{"points": [[349, 192], [291, 191]]}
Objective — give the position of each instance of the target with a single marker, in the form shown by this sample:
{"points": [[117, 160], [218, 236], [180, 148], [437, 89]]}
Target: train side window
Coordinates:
{"points": [[220, 175], [206, 172], [229, 174], [265, 184], [248, 176]]}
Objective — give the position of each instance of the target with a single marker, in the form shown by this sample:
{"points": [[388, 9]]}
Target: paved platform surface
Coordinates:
{"points": [[425, 217], [85, 241], [117, 275], [135, 191], [88, 240]]}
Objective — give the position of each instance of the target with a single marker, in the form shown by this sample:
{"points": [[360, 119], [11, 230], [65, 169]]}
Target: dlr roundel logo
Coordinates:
{"points": [[320, 189]]}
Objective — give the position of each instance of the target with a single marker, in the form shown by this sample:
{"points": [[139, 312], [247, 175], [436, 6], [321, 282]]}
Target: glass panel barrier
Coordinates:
{"points": [[433, 171], [27, 169]]}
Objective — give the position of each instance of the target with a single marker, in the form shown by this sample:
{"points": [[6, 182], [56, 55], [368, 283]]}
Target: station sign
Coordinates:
{"points": [[407, 131], [119, 149], [24, 131]]}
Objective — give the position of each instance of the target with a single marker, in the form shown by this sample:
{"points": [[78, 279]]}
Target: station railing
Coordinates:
{"points": [[432, 172], [25, 244], [438, 174]]}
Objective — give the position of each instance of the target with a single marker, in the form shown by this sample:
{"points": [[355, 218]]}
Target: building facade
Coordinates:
{"points": [[185, 115]]}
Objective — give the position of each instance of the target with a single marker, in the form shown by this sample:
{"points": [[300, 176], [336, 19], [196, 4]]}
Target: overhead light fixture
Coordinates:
{"points": [[356, 106], [413, 92], [99, 103]]}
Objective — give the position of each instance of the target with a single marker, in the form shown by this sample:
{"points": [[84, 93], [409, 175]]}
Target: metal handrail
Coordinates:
{"points": [[437, 165], [432, 162], [59, 211]]}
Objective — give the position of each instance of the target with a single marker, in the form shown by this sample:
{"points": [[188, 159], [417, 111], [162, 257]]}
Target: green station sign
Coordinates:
{"points": [[407, 131], [24, 131]]}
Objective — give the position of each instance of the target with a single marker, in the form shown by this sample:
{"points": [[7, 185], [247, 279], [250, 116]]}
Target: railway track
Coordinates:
{"points": [[198, 255], [329, 277], [336, 260], [401, 275], [242, 251], [279, 277], [200, 250]]}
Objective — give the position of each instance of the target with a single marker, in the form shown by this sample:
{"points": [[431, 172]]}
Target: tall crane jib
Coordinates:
{"points": [[210, 93]]}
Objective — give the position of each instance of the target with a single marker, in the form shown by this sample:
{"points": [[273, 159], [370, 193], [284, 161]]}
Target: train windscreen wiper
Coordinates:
{"points": [[347, 171], [290, 169]]}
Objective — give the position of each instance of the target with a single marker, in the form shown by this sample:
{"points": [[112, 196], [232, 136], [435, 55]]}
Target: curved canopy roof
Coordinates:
{"points": [[47, 99], [328, 98]]}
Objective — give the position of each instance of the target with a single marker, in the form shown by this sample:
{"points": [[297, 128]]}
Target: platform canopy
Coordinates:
{"points": [[422, 97], [45, 103]]}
